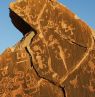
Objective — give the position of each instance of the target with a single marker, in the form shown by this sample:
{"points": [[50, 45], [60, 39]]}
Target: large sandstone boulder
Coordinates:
{"points": [[55, 58]]}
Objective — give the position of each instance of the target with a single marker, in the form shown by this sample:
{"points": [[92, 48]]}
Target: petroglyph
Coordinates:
{"points": [[53, 59]]}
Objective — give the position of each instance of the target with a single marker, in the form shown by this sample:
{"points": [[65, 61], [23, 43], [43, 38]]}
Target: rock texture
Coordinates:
{"points": [[55, 58], [19, 79]]}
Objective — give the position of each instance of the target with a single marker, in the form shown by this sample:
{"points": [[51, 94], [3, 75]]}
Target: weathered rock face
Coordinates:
{"points": [[19, 79], [55, 58], [47, 16]]}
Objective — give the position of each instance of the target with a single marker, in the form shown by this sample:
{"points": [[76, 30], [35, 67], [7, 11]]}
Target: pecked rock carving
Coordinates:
{"points": [[55, 58]]}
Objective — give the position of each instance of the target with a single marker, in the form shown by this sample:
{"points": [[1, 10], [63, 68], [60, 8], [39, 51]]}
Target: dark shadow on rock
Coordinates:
{"points": [[20, 24]]}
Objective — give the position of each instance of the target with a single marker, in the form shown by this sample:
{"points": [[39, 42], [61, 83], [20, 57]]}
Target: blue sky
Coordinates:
{"points": [[9, 35]]}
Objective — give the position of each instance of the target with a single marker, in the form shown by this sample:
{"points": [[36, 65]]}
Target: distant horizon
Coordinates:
{"points": [[9, 35]]}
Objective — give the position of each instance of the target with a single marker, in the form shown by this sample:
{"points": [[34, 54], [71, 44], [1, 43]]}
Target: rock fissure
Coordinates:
{"points": [[62, 88]]}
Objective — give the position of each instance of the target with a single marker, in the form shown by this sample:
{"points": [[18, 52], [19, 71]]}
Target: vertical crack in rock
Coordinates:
{"points": [[36, 70], [64, 92]]}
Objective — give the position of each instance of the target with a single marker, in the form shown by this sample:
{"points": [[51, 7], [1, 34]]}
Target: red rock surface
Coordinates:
{"points": [[55, 58]]}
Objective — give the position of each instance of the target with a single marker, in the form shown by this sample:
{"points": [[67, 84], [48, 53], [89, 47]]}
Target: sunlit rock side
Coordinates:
{"points": [[18, 78], [56, 56]]}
